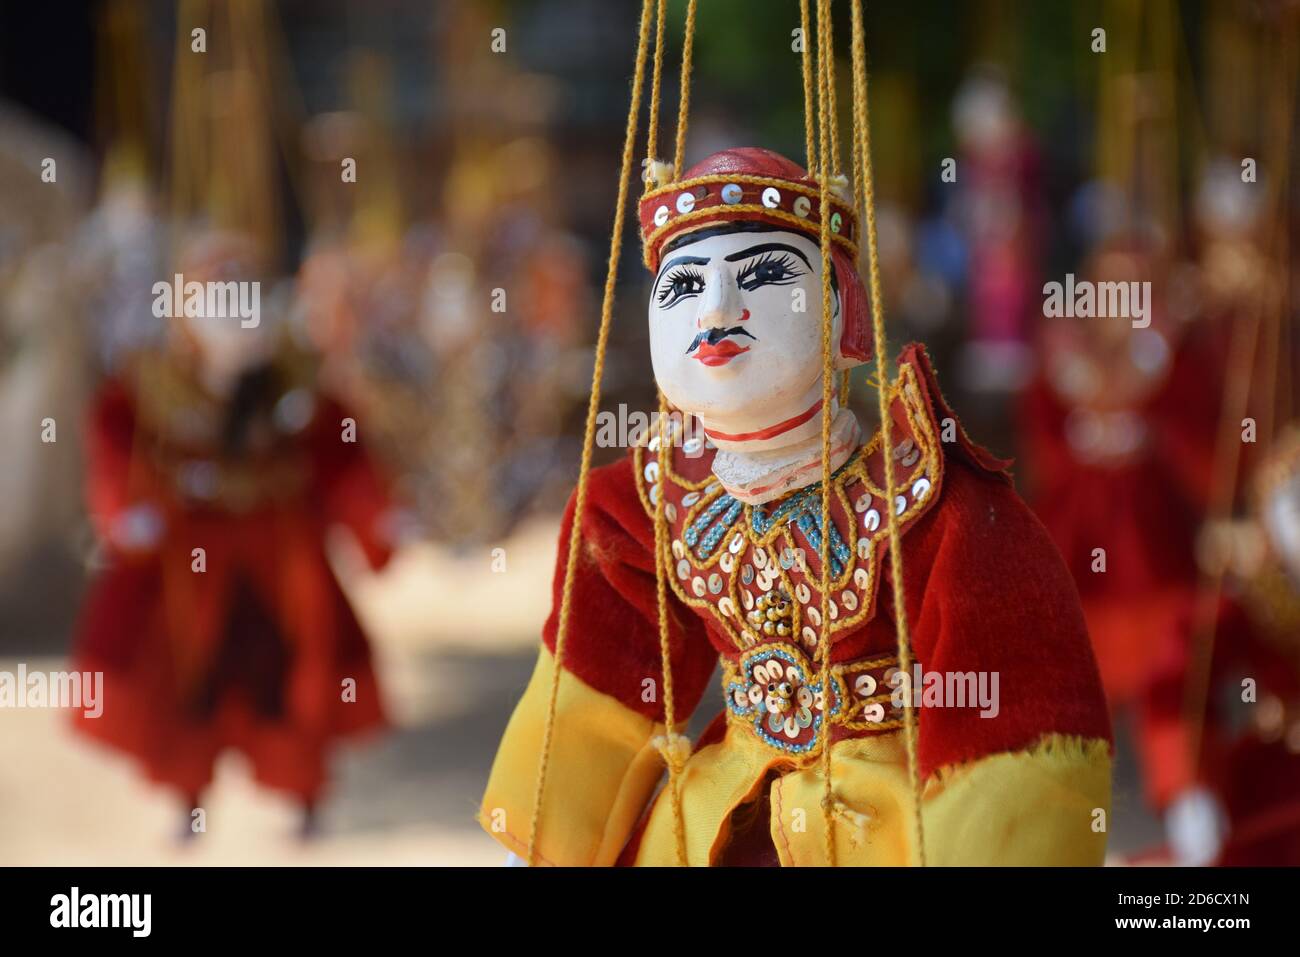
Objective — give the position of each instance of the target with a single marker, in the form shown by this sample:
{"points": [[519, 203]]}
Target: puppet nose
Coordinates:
{"points": [[720, 305]]}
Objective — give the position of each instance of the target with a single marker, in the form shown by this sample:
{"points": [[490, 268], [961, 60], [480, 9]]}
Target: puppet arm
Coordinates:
{"points": [[603, 765], [1025, 780], [123, 514], [352, 490]]}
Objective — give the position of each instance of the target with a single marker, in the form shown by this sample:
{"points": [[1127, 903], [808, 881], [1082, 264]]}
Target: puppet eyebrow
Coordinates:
{"points": [[683, 261], [768, 248]]}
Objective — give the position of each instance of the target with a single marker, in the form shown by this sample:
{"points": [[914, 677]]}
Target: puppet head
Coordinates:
{"points": [[1277, 500], [736, 309], [217, 268]]}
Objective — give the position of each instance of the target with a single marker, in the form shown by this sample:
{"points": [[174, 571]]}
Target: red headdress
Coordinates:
{"points": [[756, 185]]}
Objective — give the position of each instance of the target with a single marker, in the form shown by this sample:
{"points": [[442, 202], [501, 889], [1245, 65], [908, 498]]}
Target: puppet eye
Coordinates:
{"points": [[681, 283], [768, 270]]}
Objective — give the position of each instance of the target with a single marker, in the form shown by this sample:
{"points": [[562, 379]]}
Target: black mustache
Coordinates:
{"points": [[714, 336]]}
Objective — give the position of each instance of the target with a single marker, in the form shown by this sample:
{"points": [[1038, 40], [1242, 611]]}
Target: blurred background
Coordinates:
{"points": [[1010, 151]]}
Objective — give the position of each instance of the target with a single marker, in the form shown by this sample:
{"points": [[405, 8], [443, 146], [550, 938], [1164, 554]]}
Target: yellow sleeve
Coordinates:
{"points": [[1046, 805], [603, 765], [603, 770]]}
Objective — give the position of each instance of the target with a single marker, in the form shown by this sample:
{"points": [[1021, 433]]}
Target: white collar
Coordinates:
{"points": [[758, 477]]}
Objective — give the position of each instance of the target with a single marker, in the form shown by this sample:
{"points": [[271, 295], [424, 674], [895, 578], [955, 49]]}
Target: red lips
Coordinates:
{"points": [[720, 354]]}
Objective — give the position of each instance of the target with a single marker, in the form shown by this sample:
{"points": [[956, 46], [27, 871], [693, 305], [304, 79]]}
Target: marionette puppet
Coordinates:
{"points": [[1000, 207], [754, 533], [1224, 716], [1255, 772], [1119, 440], [1115, 437], [1114, 425], [1117, 427], [215, 471], [1219, 721]]}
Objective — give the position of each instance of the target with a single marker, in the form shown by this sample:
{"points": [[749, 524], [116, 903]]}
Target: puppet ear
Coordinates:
{"points": [[855, 314]]}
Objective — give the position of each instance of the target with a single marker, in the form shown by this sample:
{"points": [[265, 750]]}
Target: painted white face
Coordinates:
{"points": [[228, 346], [735, 335], [1282, 521]]}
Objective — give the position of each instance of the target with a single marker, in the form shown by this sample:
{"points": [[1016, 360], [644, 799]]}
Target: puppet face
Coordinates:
{"points": [[1282, 522], [227, 344], [735, 331]]}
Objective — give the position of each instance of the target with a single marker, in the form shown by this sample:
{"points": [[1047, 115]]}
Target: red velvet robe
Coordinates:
{"points": [[1144, 510], [986, 592]]}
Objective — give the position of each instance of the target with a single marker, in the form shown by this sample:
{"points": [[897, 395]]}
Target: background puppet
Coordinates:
{"points": [[216, 466], [1245, 726], [215, 470]]}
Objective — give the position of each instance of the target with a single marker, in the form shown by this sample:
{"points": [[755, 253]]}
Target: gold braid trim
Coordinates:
{"points": [[748, 179], [803, 224]]}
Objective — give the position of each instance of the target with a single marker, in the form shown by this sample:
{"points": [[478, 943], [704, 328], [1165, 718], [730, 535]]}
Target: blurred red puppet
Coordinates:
{"points": [[214, 472]]}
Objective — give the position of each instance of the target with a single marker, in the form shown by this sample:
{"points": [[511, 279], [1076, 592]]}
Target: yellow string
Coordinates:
{"points": [[593, 408], [810, 146], [188, 132], [656, 83], [824, 120], [828, 64], [674, 748], [673, 757], [835, 154], [855, 160], [862, 123], [684, 102], [1244, 351]]}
